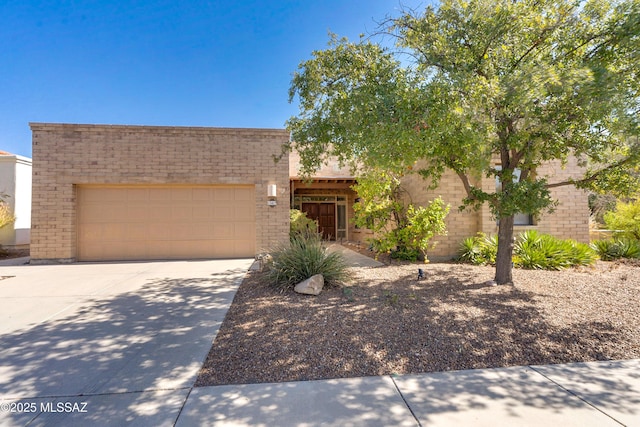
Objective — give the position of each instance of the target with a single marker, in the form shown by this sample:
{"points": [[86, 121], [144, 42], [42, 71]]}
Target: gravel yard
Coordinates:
{"points": [[385, 321]]}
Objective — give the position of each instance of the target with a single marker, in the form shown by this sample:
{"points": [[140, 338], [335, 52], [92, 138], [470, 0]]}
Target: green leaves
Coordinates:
{"points": [[625, 220], [398, 227], [517, 83], [356, 102]]}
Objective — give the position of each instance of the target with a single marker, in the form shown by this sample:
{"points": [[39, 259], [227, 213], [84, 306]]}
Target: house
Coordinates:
{"points": [[329, 200], [116, 192], [105, 192], [15, 184]]}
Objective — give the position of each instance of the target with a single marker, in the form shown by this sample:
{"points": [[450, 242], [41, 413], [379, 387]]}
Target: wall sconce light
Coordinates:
{"points": [[272, 193]]}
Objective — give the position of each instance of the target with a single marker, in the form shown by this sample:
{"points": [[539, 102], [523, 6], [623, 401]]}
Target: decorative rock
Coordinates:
{"points": [[312, 286]]}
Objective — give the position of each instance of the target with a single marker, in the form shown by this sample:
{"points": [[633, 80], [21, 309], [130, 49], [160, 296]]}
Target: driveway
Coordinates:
{"points": [[108, 343]]}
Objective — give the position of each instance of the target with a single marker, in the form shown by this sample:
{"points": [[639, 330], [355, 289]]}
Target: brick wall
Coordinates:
{"points": [[67, 155], [460, 224], [570, 220]]}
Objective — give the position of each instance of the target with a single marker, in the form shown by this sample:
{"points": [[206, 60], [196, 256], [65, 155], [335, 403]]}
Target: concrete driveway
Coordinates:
{"points": [[108, 343]]}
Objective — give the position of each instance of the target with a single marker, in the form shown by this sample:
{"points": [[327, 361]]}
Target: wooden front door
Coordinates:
{"points": [[325, 215]]}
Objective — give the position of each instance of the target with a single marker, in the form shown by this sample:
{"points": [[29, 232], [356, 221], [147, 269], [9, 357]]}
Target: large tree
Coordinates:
{"points": [[485, 88]]}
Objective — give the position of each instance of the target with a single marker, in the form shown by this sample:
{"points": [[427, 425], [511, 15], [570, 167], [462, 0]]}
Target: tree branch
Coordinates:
{"points": [[594, 175]]}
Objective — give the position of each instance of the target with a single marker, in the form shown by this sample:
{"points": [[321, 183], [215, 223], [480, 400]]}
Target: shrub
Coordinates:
{"points": [[411, 237], [405, 254], [532, 251], [303, 257], [614, 249], [545, 252], [479, 250], [301, 224], [625, 220]]}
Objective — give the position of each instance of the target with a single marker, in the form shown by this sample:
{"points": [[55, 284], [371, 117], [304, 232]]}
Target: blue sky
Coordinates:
{"points": [[163, 62]]}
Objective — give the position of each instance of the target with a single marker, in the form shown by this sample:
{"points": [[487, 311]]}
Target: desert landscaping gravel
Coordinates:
{"points": [[385, 321]]}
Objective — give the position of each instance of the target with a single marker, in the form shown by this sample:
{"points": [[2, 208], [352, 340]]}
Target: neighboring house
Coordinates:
{"points": [[103, 192], [329, 199], [15, 183]]}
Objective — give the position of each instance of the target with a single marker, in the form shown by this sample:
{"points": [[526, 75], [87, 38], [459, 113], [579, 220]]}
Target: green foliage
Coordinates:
{"points": [[600, 204], [611, 249], [403, 231], [301, 224], [532, 251], [625, 220], [524, 82], [545, 252], [479, 250], [303, 257]]}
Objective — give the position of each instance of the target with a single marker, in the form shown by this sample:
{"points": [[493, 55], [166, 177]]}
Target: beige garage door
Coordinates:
{"points": [[160, 222]]}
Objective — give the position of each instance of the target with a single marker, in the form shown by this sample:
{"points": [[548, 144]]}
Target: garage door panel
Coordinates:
{"points": [[202, 213], [243, 248], [222, 213], [181, 213], [91, 233], [202, 195], [159, 194], [224, 195], [135, 232], [137, 194], [156, 231], [243, 213], [156, 214], [181, 195], [242, 195], [223, 230], [165, 222], [114, 232], [243, 232], [135, 213]]}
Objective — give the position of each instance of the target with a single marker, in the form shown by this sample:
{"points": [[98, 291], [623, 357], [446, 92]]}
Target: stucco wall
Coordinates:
{"points": [[67, 155], [15, 182]]}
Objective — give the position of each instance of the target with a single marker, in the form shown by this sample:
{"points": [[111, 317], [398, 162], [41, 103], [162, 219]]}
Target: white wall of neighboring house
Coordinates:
{"points": [[15, 182]]}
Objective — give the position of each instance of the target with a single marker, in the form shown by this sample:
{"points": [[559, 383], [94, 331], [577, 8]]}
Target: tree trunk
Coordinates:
{"points": [[504, 264]]}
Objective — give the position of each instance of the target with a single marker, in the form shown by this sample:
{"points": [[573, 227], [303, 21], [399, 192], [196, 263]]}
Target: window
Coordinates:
{"points": [[519, 218]]}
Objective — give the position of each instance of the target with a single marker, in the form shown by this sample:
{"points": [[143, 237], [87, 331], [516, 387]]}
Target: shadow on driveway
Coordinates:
{"points": [[151, 339]]}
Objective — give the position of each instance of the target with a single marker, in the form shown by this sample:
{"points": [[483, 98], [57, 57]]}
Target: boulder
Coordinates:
{"points": [[312, 286]]}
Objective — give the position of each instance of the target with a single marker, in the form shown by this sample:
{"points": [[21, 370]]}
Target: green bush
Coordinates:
{"points": [[411, 237], [303, 257], [545, 252], [532, 251], [479, 250], [406, 254], [614, 249], [301, 224], [625, 220]]}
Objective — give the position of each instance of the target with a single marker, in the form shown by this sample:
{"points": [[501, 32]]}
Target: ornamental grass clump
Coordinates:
{"points": [[302, 257]]}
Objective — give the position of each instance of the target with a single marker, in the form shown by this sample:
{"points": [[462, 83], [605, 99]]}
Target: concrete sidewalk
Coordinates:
{"points": [[580, 394]]}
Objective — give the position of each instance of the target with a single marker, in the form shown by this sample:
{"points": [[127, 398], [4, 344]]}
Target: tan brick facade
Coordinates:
{"points": [[569, 220], [68, 155]]}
